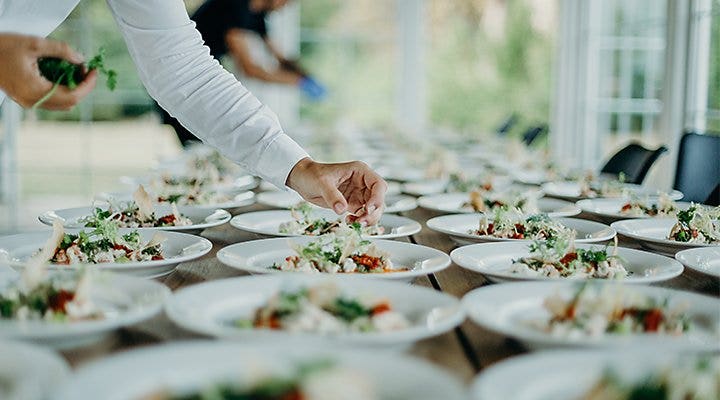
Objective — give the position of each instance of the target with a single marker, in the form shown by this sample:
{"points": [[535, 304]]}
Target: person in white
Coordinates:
{"points": [[181, 75]]}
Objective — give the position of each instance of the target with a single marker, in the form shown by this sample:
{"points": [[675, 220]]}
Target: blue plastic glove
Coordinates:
{"points": [[312, 89]]}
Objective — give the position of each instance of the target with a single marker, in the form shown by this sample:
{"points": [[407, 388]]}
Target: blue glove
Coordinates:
{"points": [[312, 89]]}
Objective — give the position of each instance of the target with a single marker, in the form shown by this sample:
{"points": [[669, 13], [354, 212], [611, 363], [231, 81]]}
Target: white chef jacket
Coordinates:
{"points": [[179, 72]]}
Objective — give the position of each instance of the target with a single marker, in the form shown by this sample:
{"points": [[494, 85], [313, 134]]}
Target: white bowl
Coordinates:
{"points": [[511, 309], [652, 234], [451, 203], [128, 300], [191, 366], [494, 261], [705, 260], [202, 218], [609, 209], [458, 227], [209, 308], [257, 256], [267, 223], [571, 190], [30, 372], [585, 367], [394, 203], [177, 248]]}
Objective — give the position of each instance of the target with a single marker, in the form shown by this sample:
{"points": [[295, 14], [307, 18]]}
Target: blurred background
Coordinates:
{"points": [[597, 73]]}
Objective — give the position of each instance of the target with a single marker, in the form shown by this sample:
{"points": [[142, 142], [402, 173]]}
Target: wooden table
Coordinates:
{"points": [[464, 352]]}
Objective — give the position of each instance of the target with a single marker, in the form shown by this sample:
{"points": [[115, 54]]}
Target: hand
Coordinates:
{"points": [[292, 66], [312, 88], [20, 76], [350, 186]]}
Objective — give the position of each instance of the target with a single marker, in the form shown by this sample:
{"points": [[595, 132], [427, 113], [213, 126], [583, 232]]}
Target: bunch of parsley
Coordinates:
{"points": [[63, 72]]}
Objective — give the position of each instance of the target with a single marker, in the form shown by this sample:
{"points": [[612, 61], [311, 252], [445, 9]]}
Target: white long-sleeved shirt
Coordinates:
{"points": [[178, 71]]}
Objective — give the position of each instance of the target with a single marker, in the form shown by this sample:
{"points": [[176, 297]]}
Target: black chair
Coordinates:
{"points": [[698, 166], [508, 124], [714, 198], [634, 161], [533, 133]]}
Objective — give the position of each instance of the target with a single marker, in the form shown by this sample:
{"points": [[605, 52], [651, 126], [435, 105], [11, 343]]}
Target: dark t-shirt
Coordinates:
{"points": [[215, 17]]}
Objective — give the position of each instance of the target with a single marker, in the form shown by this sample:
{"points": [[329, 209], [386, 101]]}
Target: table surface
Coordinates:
{"points": [[464, 352]]}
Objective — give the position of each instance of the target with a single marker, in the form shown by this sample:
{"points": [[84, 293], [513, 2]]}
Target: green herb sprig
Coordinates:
{"points": [[63, 72]]}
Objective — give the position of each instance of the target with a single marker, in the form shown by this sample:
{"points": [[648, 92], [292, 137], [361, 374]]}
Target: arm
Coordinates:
{"points": [[179, 72], [237, 44], [285, 64]]}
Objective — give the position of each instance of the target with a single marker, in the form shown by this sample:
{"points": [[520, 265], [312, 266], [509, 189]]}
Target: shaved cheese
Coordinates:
{"points": [[144, 203], [36, 269], [156, 239]]}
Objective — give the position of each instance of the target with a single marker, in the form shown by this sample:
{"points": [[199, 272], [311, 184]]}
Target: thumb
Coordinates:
{"points": [[333, 198], [54, 48]]}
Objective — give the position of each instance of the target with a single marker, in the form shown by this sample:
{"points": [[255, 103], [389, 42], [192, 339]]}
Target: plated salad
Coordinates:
{"points": [[592, 188], [696, 378], [508, 224], [57, 298], [319, 380], [663, 207], [323, 309], [189, 196], [486, 202], [595, 312], [342, 251], [696, 225], [104, 244], [557, 257], [460, 183], [138, 213], [304, 223]]}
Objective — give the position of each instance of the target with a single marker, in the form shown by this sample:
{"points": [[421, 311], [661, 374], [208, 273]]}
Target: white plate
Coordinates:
{"points": [[494, 260], [402, 174], [267, 223], [190, 366], [570, 190], [609, 209], [201, 218], [209, 308], [458, 228], [584, 369], [177, 248], [239, 199], [453, 203], [435, 186], [653, 233], [128, 300], [394, 203], [703, 259], [32, 372], [258, 255], [241, 182], [512, 308]]}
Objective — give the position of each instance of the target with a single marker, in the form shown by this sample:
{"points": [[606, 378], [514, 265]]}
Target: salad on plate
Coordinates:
{"points": [[103, 244], [138, 213], [696, 225], [304, 223], [342, 251], [557, 257], [510, 224], [664, 206], [323, 309], [486, 202], [597, 311]]}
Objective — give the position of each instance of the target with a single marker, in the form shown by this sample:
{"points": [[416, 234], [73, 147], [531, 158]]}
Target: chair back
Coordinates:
{"points": [[533, 133], [634, 161], [698, 166]]}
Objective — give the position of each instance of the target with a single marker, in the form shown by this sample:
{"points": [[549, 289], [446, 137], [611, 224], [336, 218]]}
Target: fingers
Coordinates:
{"points": [[65, 99], [53, 48], [332, 196]]}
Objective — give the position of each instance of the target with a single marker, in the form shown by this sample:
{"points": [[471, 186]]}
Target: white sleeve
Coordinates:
{"points": [[179, 72]]}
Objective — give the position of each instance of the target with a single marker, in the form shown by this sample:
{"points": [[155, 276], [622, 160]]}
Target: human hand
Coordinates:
{"points": [[350, 186], [20, 76], [312, 89], [292, 66]]}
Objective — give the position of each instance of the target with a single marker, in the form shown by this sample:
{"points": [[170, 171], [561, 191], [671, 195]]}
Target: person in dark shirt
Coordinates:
{"points": [[226, 27]]}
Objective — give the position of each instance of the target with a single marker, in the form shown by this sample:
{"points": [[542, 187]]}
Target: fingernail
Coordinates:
{"points": [[370, 209], [338, 207]]}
